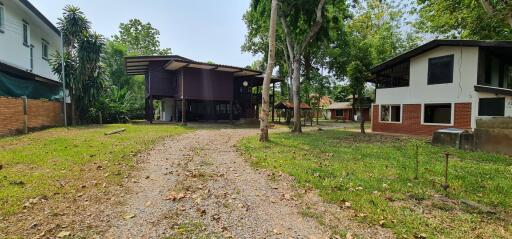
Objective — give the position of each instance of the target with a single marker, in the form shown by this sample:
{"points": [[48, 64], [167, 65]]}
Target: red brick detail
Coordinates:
{"points": [[411, 120], [41, 113]]}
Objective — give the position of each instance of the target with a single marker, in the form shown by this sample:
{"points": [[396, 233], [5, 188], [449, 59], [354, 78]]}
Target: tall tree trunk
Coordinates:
{"points": [[362, 115], [297, 128], [295, 51], [354, 107], [265, 95], [318, 110]]}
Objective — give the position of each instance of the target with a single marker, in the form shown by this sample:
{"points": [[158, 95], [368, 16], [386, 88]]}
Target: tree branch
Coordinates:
{"points": [[289, 43], [316, 26], [291, 54], [491, 11], [509, 19], [487, 6]]}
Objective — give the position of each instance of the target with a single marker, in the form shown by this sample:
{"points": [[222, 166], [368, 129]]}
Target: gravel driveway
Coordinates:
{"points": [[194, 186], [198, 185]]}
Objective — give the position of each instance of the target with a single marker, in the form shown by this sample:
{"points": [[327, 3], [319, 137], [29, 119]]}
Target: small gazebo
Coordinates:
{"points": [[287, 108]]}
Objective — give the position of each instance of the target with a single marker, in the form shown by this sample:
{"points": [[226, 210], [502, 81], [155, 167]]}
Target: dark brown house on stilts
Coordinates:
{"points": [[196, 91]]}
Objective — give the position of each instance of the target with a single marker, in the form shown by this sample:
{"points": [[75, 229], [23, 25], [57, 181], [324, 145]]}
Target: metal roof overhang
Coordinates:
{"points": [[139, 65], [493, 90], [237, 71]]}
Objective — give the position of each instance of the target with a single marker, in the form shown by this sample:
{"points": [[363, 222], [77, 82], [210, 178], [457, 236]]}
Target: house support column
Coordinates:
{"points": [[149, 109], [231, 111], [174, 110], [183, 111]]}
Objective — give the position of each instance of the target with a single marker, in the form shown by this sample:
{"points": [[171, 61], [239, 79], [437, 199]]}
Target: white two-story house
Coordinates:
{"points": [[27, 41], [443, 84]]}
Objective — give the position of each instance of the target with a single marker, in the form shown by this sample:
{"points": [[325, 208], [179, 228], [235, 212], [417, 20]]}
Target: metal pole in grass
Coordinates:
{"points": [[63, 76], [417, 160], [445, 185]]}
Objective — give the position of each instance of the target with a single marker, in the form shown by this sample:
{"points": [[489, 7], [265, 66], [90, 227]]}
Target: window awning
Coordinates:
{"points": [[493, 90]]}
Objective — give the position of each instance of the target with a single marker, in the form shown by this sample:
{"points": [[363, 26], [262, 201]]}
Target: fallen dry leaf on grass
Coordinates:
{"points": [[129, 216], [63, 234], [173, 196]]}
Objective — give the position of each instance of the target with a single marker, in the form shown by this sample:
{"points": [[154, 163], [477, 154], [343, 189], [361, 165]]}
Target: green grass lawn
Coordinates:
{"points": [[375, 174], [59, 161]]}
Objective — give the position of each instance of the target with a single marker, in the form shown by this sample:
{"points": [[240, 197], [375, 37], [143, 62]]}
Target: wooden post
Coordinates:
{"points": [[311, 117], [231, 111], [184, 111], [25, 114], [151, 111], [101, 118], [304, 114], [446, 185], [174, 110]]}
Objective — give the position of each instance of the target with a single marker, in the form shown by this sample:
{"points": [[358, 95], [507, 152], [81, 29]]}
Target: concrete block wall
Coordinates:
{"points": [[494, 134], [41, 113], [411, 120]]}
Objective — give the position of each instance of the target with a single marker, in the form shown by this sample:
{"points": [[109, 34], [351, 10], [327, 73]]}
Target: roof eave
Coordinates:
{"points": [[43, 18], [434, 44]]}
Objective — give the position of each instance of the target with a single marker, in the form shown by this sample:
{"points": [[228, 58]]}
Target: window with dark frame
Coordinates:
{"points": [[44, 49], [26, 34], [491, 106], [391, 113], [437, 113], [394, 77], [339, 112], [495, 69], [396, 113], [2, 18], [440, 70], [384, 113]]}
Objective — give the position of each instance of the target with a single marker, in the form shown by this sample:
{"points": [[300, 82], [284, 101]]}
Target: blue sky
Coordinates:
{"points": [[204, 30]]}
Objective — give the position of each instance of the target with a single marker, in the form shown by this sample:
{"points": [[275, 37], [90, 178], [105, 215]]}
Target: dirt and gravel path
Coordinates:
{"points": [[193, 186], [199, 185]]}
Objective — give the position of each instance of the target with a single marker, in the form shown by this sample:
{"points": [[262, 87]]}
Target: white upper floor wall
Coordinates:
{"points": [[14, 52], [465, 74]]}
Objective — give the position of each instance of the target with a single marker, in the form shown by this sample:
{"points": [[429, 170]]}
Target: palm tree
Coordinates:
{"points": [[82, 54]]}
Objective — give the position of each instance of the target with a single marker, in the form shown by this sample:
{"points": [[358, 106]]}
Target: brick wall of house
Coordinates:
{"points": [[349, 115], [411, 120], [41, 113]]}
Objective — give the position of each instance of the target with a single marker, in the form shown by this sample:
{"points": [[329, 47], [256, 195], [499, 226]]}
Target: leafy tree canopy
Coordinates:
{"points": [[140, 39], [465, 19]]}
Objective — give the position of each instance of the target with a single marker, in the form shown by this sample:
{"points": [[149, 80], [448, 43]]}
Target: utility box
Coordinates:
{"points": [[456, 138], [449, 137]]}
